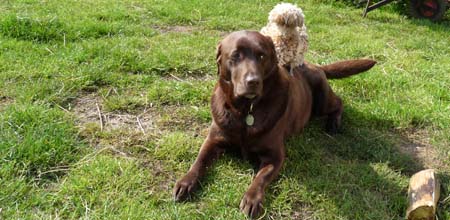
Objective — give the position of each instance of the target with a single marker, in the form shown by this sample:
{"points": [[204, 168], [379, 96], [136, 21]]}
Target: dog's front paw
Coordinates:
{"points": [[184, 187], [251, 204]]}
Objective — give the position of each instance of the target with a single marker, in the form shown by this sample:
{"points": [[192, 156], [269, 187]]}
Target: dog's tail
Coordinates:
{"points": [[347, 68]]}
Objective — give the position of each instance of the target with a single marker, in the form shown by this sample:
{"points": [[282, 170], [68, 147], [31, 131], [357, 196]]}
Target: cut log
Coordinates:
{"points": [[423, 196]]}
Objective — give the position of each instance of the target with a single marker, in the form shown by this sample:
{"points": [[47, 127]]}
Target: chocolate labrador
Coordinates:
{"points": [[257, 104]]}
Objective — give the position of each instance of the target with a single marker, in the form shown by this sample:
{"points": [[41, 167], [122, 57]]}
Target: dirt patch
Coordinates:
{"points": [[178, 118], [126, 135], [123, 134], [89, 109], [302, 212], [161, 177], [5, 101], [417, 144], [190, 77], [177, 29], [187, 29], [151, 121]]}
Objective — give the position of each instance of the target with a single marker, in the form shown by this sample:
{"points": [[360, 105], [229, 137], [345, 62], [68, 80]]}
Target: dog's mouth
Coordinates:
{"points": [[250, 96]]}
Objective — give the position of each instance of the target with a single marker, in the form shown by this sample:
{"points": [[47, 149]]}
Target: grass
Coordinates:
{"points": [[148, 68]]}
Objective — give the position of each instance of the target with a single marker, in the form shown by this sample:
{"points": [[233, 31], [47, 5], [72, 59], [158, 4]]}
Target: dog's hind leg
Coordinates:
{"points": [[334, 115], [325, 102], [328, 104]]}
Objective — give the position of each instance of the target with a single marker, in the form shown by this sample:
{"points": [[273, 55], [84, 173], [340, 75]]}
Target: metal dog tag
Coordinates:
{"points": [[249, 120]]}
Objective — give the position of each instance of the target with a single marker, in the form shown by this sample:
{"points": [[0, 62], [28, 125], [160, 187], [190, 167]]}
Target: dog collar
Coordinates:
{"points": [[249, 119]]}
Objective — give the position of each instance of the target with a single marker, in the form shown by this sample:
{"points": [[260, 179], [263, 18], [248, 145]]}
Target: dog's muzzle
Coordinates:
{"points": [[253, 84]]}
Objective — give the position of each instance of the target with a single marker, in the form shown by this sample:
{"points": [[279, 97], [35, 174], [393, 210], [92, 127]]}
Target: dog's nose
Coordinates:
{"points": [[252, 80]]}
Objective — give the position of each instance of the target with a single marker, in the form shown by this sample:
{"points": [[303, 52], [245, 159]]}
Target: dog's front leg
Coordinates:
{"points": [[251, 203], [211, 149]]}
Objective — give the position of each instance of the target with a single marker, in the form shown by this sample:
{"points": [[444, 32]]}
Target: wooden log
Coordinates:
{"points": [[423, 196]]}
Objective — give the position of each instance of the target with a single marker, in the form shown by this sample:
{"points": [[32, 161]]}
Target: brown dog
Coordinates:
{"points": [[256, 105]]}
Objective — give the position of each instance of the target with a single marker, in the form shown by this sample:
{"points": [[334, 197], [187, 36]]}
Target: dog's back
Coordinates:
{"points": [[298, 111]]}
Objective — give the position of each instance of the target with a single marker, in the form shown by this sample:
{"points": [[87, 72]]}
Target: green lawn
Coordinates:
{"points": [[147, 68]]}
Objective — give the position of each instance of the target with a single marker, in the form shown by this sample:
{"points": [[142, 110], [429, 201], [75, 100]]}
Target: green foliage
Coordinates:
{"points": [[35, 143], [35, 139], [176, 93], [104, 184], [47, 30], [34, 30]]}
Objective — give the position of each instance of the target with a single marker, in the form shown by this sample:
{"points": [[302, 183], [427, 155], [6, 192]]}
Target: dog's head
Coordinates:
{"points": [[244, 60]]}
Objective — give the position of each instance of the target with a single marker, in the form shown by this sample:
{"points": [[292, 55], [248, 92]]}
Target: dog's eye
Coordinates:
{"points": [[236, 57], [260, 56]]}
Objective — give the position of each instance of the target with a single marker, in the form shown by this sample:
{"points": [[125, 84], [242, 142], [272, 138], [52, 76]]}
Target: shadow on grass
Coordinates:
{"points": [[402, 8], [361, 173], [442, 26]]}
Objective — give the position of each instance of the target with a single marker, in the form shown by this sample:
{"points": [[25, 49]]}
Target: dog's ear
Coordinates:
{"points": [[222, 72], [219, 57], [273, 52], [224, 82]]}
